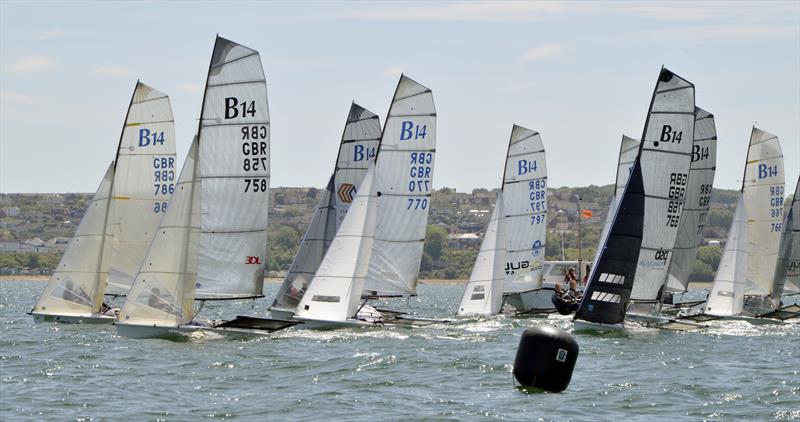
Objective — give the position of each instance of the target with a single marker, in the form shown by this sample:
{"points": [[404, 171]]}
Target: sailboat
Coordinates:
{"points": [[404, 178], [211, 242], [483, 294], [755, 232], [358, 147], [787, 270], [333, 297], [525, 216], [656, 183], [665, 156], [695, 210], [121, 219]]}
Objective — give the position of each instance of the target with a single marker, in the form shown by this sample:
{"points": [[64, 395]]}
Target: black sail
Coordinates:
{"points": [[611, 280]]}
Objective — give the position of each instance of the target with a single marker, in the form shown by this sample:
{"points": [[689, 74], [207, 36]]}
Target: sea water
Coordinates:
{"points": [[459, 371]]}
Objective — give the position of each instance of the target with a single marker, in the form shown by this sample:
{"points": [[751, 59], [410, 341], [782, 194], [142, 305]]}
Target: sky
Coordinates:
{"points": [[580, 73]]}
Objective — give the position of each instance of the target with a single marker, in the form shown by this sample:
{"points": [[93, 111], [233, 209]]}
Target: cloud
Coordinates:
{"points": [[707, 33], [191, 88], [543, 52], [395, 70], [479, 11], [515, 87], [707, 10], [49, 35], [111, 71], [30, 64], [16, 98]]}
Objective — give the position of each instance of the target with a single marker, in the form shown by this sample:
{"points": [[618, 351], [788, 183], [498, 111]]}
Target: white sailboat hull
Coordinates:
{"points": [[531, 301], [72, 319]]}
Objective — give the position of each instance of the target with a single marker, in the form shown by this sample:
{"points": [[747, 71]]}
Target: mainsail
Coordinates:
{"points": [[404, 177], [628, 150], [698, 200], [727, 292], [484, 292], [763, 189], [76, 286], [525, 207], [665, 156], [358, 148], [611, 279], [144, 180], [335, 291], [787, 269], [211, 243]]}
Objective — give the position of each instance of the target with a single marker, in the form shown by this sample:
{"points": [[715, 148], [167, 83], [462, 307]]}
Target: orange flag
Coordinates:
{"points": [[586, 213]]}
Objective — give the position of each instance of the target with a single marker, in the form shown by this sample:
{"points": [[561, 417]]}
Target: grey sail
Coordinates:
{"points": [[665, 157], [357, 149], [698, 200]]}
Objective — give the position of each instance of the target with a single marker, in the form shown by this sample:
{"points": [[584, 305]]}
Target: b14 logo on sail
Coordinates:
{"points": [[669, 135]]}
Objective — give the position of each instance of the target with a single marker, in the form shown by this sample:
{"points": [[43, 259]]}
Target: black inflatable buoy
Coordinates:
{"points": [[545, 358]]}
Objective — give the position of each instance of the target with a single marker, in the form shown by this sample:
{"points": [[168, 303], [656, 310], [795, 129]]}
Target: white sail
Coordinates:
{"points": [[665, 156], [525, 207], [727, 292], [787, 270], [358, 148], [144, 180], [698, 200], [628, 150], [763, 189], [163, 291], [334, 293], [404, 177], [76, 286], [234, 163], [484, 292]]}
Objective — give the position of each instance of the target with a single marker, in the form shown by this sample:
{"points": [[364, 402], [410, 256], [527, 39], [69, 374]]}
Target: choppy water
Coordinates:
{"points": [[733, 371]]}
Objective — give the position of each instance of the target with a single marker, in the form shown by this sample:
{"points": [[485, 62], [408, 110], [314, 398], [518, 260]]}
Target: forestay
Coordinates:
{"points": [[665, 156], [75, 288], [611, 279], [628, 150], [727, 292], [234, 163], [404, 177], [698, 199], [144, 180], [484, 292], [787, 270], [335, 291], [525, 206], [163, 291], [763, 189], [357, 149]]}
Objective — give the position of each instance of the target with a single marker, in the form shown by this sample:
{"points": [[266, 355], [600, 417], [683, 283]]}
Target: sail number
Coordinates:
{"points": [[412, 131], [776, 204], [537, 194], [255, 154], [677, 194], [163, 180], [420, 172]]}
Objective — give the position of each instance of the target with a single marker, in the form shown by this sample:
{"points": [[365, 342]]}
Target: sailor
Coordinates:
{"points": [[570, 276], [157, 302]]}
